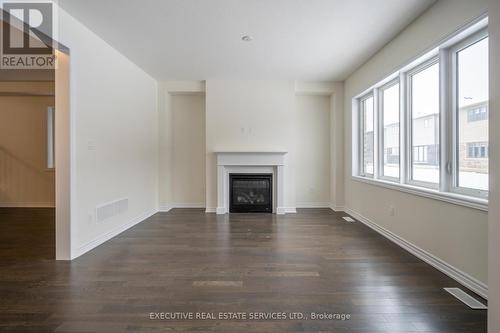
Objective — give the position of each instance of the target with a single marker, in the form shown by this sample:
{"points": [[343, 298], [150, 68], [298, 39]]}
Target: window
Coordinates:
{"points": [[478, 113], [424, 108], [424, 128], [471, 70], [390, 114], [421, 154], [368, 135], [50, 137], [477, 150]]}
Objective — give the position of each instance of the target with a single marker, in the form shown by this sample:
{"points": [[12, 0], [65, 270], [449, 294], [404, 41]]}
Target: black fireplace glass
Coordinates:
{"points": [[250, 193]]}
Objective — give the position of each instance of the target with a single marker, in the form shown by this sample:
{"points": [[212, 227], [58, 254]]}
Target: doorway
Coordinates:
{"points": [[27, 166]]}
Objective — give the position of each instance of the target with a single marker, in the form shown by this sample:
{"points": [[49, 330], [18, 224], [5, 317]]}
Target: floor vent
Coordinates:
{"points": [[349, 219], [467, 299], [111, 209]]}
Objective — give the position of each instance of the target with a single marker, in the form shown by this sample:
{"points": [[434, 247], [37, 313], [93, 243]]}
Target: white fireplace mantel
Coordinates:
{"points": [[251, 162]]}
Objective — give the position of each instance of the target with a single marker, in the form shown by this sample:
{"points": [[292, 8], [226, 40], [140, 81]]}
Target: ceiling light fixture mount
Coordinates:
{"points": [[247, 38]]}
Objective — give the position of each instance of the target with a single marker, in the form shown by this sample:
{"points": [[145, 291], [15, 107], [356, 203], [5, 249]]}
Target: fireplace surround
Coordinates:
{"points": [[231, 162]]}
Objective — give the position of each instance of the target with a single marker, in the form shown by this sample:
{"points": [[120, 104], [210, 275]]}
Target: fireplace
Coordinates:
{"points": [[250, 193], [251, 163]]}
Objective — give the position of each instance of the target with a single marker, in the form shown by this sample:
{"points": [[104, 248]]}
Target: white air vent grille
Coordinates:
{"points": [[111, 209], [466, 298], [349, 219]]}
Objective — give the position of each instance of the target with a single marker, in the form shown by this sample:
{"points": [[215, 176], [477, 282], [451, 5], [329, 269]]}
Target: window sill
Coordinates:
{"points": [[457, 199]]}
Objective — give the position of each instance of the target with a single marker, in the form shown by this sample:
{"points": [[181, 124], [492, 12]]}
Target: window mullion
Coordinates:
{"points": [[403, 125], [361, 139], [357, 161], [376, 132], [445, 123]]}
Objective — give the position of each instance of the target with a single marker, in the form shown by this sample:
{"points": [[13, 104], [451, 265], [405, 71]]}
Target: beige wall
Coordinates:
{"points": [[250, 116], [188, 96], [494, 213], [312, 171], [114, 138], [188, 114], [25, 180], [455, 234]]}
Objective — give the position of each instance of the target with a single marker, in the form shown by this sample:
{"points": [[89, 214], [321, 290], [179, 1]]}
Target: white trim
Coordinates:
{"points": [[337, 209], [75, 253], [461, 277], [454, 111], [361, 133], [167, 207], [251, 162], [210, 210], [381, 128], [457, 199], [27, 205], [313, 205], [418, 69], [188, 205], [164, 208]]}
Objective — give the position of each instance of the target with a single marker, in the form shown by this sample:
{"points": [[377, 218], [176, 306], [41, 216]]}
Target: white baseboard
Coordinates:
{"points": [[290, 210], [337, 208], [313, 205], [188, 205], [210, 209], [221, 210], [167, 207], [75, 253], [461, 277], [164, 208], [27, 205]]}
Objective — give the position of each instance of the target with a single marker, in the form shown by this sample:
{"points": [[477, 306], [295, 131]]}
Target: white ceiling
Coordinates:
{"points": [[201, 39]]}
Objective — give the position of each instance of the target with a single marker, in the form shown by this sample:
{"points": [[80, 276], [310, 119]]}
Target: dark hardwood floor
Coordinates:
{"points": [[27, 233], [190, 262]]}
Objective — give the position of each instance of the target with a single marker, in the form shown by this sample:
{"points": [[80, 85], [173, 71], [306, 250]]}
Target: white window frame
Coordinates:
{"points": [[412, 72], [445, 190], [452, 54], [361, 126], [380, 116]]}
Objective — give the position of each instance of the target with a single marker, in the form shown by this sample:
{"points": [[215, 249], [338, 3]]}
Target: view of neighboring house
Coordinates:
{"points": [[472, 143], [473, 134]]}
